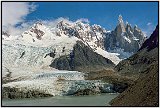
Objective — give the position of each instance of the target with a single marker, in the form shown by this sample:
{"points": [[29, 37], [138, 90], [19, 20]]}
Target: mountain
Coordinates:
{"points": [[82, 58], [124, 38], [92, 35], [143, 65], [147, 54], [31, 59], [41, 47], [5, 35], [34, 45], [38, 32]]}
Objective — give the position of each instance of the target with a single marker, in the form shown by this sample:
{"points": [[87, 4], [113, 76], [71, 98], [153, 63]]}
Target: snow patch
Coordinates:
{"points": [[112, 56], [127, 39], [122, 55]]}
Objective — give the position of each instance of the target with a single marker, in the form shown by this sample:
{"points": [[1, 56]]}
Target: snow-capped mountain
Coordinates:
{"points": [[38, 32], [43, 43], [93, 36], [124, 38], [32, 58]]}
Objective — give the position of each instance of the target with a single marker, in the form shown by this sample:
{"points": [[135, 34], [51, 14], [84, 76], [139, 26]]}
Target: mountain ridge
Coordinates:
{"points": [[143, 65], [93, 36]]}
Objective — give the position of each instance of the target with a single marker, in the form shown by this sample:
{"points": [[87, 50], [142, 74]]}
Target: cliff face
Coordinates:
{"points": [[144, 66]]}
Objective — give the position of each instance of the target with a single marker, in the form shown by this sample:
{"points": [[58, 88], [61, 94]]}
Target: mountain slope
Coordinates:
{"points": [[82, 58], [144, 92]]}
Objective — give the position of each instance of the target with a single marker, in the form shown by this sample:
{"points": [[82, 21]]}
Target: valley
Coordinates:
{"points": [[77, 59]]}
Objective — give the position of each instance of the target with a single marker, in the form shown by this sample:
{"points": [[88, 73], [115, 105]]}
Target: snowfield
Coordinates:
{"points": [[22, 55], [112, 56]]}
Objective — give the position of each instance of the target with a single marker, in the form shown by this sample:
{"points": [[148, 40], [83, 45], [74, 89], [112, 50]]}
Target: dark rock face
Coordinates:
{"points": [[124, 37], [152, 42], [120, 87], [15, 93], [82, 58], [144, 67], [5, 34], [135, 65]]}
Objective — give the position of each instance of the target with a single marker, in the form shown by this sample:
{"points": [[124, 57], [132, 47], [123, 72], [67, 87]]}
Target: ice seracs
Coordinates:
{"points": [[56, 83]]}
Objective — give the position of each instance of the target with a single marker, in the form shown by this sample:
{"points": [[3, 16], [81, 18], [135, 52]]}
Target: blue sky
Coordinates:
{"points": [[143, 14]]}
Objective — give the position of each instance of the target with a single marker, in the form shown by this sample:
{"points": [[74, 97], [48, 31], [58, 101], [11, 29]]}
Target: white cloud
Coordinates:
{"points": [[17, 12], [14, 13], [149, 29], [149, 23], [53, 22], [83, 20]]}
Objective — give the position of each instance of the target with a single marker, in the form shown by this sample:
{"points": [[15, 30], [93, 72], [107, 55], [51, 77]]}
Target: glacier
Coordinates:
{"points": [[57, 83]]}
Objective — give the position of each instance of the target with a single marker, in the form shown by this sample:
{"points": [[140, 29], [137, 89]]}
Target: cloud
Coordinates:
{"points": [[17, 12], [53, 22], [149, 23], [83, 20], [149, 29], [14, 13]]}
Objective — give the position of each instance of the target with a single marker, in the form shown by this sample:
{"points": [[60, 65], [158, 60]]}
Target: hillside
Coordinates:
{"points": [[82, 58], [144, 66]]}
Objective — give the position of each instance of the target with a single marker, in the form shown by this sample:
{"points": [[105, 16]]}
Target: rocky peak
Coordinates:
{"points": [[120, 19], [124, 37], [128, 28], [37, 32], [63, 24], [98, 28], [37, 29], [88, 34], [136, 28], [121, 25], [38, 23], [5, 35]]}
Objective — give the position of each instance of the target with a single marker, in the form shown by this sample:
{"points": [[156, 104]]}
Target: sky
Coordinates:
{"points": [[143, 14]]}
